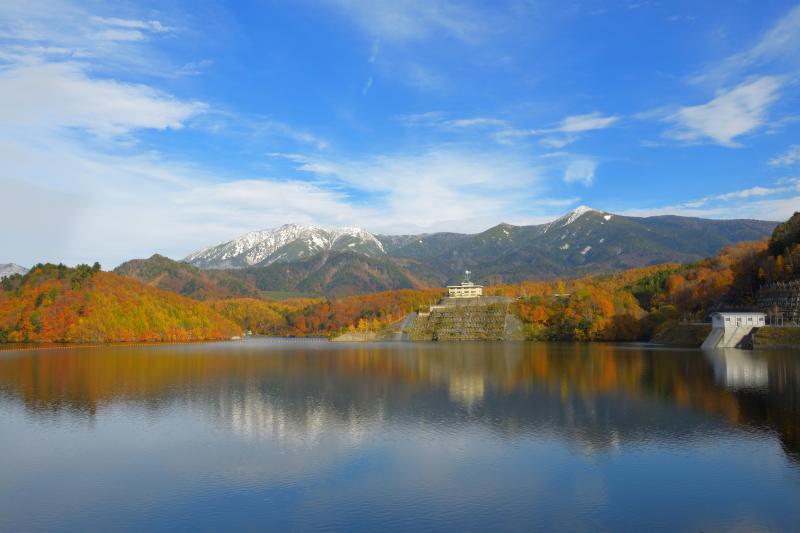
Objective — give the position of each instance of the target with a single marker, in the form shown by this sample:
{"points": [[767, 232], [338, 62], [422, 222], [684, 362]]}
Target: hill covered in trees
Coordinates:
{"points": [[331, 274], [54, 303], [183, 278]]}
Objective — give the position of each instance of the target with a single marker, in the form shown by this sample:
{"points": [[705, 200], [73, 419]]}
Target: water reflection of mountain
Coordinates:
{"points": [[596, 396]]}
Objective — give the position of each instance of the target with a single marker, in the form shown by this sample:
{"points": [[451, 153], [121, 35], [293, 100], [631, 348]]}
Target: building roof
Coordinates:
{"points": [[739, 313]]}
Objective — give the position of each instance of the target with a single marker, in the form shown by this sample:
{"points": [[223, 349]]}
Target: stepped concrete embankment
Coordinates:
{"points": [[461, 319], [782, 298]]}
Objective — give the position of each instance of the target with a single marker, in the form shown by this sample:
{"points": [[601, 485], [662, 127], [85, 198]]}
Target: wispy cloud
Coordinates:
{"points": [[729, 115], [148, 25], [764, 203], [778, 45], [580, 171], [791, 157], [566, 132], [40, 30], [504, 132], [367, 86], [435, 189], [592, 121], [438, 119], [414, 20], [61, 95]]}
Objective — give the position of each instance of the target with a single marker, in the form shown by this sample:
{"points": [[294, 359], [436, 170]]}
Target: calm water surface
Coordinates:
{"points": [[265, 435]]}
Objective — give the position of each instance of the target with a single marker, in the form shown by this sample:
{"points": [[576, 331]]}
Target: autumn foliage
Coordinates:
{"points": [[58, 304]]}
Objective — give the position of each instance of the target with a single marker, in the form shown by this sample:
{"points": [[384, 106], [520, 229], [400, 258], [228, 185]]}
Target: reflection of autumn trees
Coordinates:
{"points": [[88, 379]]}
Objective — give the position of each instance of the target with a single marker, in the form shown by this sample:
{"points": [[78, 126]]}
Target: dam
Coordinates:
{"points": [[730, 330], [466, 314]]}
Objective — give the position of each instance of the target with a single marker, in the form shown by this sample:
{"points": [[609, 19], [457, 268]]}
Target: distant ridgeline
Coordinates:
{"points": [[585, 241]]}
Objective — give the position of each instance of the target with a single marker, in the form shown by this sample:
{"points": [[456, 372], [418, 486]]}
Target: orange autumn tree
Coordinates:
{"points": [[53, 303]]}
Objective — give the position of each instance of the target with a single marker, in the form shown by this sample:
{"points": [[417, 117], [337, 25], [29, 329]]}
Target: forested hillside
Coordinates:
{"points": [[53, 303], [182, 278], [635, 304], [332, 274]]}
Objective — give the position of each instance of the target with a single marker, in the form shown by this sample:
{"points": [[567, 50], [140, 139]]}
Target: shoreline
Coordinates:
{"points": [[13, 347]]}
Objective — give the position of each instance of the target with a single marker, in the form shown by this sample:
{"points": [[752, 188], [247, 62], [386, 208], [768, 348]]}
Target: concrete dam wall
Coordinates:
{"points": [[453, 319]]}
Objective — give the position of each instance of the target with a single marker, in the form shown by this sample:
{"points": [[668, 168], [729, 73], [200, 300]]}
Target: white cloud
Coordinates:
{"points": [[444, 188], [731, 114], [49, 96], [580, 171], [475, 122], [149, 25], [564, 133], [114, 207], [592, 121], [791, 157], [31, 31]]}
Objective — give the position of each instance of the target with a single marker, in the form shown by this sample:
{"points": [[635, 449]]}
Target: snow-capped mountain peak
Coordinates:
{"points": [[577, 213], [289, 242], [9, 269], [573, 216]]}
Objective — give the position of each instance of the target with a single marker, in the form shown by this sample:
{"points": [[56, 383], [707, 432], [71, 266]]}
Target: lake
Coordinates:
{"points": [[292, 435]]}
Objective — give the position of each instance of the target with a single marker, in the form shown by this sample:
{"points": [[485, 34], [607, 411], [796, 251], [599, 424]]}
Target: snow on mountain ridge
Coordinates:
{"points": [[9, 269], [577, 213], [260, 247], [572, 216]]}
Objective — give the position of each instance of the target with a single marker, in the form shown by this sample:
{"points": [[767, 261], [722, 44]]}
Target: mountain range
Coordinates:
{"points": [[583, 241]]}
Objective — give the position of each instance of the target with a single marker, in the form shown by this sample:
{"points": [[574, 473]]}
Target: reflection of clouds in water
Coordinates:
{"points": [[255, 415]]}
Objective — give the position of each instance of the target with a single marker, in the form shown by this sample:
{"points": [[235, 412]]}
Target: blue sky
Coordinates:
{"points": [[135, 128]]}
